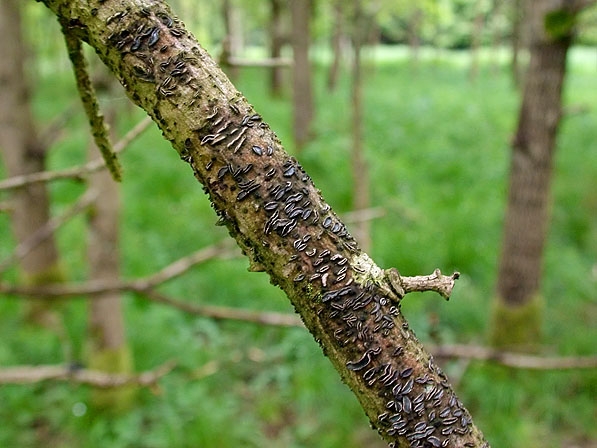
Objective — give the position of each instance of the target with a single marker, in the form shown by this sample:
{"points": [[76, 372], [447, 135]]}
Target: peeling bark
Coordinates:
{"points": [[280, 220]]}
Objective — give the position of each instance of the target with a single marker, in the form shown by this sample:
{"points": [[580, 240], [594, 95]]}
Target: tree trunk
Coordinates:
{"points": [[301, 72], [276, 43], [107, 348], [232, 42], [414, 40], [23, 153], [476, 41], [360, 170], [517, 310], [517, 42], [280, 220], [336, 45]]}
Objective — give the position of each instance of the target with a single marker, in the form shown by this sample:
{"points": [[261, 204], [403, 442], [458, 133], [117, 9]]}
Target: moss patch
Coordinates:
{"points": [[559, 24], [119, 399], [517, 328]]}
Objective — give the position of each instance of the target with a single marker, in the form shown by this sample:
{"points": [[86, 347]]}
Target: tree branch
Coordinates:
{"points": [[436, 282], [77, 172], [99, 129], [48, 229], [35, 374], [266, 62], [141, 285], [227, 313], [516, 360], [278, 217]]}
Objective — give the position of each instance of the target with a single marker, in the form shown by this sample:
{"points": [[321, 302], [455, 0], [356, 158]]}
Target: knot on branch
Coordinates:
{"points": [[437, 282]]}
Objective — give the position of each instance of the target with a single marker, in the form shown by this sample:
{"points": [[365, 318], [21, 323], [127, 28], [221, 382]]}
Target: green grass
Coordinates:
{"points": [[438, 150]]}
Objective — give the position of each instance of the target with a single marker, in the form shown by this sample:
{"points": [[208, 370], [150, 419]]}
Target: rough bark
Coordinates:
{"points": [[518, 286], [301, 73], [23, 153], [277, 216]]}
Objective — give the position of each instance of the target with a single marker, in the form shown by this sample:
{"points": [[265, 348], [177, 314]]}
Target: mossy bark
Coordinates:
{"points": [[517, 328], [117, 360], [278, 217]]}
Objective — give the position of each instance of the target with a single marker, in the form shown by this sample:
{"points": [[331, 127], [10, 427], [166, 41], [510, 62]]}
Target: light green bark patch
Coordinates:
{"points": [[118, 399], [519, 327]]}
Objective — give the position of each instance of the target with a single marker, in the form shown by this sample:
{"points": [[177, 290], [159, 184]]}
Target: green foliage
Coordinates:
{"points": [[559, 24], [438, 149]]}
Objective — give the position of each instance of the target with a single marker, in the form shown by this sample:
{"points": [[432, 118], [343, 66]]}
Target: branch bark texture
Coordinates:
{"points": [[279, 219]]}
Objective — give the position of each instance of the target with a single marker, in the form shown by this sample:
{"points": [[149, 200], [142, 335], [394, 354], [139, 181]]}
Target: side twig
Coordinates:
{"points": [[99, 128], [436, 282], [91, 288], [48, 229]]}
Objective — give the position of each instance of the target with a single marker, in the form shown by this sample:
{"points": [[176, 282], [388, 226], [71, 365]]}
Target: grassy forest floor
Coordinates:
{"points": [[438, 148]]}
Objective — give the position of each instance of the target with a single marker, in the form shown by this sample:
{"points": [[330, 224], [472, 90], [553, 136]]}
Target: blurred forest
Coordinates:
{"points": [[405, 118]]}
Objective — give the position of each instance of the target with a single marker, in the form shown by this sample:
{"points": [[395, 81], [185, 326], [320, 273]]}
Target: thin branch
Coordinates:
{"points": [[367, 214], [99, 128], [175, 269], [436, 282], [77, 172], [52, 131], [228, 313], [516, 360], [182, 265], [35, 374], [48, 229], [267, 62]]}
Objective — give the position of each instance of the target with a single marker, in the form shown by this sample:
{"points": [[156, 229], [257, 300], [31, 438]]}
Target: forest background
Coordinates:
{"points": [[439, 113]]}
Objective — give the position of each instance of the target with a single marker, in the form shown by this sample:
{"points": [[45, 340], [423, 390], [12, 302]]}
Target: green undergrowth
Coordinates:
{"points": [[438, 150]]}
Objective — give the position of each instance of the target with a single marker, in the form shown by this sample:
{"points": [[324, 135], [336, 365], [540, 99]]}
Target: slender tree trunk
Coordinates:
{"points": [[336, 45], [301, 79], [280, 220], [517, 311], [360, 170], [496, 36], [23, 153], [232, 42], [516, 65], [108, 350], [276, 43], [476, 41], [414, 40]]}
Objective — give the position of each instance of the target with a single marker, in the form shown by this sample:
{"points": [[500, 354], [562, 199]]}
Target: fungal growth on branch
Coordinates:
{"points": [[280, 220]]}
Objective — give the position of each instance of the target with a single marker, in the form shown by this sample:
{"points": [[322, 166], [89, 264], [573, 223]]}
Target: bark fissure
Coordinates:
{"points": [[271, 207]]}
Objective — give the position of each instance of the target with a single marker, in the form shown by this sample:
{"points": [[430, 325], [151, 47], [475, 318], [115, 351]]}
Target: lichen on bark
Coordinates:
{"points": [[278, 217]]}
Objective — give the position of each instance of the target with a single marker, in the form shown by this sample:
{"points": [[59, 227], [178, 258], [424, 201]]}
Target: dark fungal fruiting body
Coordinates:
{"points": [[271, 207]]}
